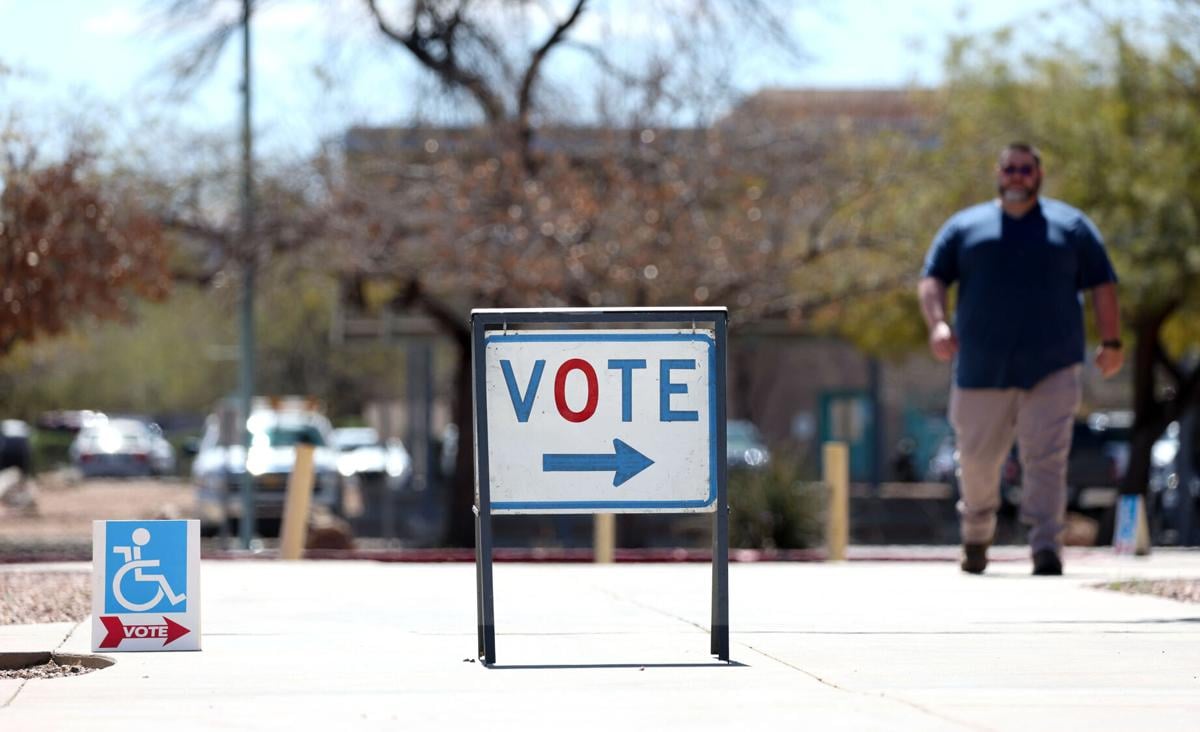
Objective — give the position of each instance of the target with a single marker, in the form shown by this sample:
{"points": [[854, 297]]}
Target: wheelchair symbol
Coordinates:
{"points": [[133, 561]]}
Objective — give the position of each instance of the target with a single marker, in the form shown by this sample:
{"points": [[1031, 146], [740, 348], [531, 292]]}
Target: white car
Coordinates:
{"points": [[363, 455], [121, 446], [274, 433]]}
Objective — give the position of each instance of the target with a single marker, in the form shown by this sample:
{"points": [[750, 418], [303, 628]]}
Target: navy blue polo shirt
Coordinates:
{"points": [[1019, 316]]}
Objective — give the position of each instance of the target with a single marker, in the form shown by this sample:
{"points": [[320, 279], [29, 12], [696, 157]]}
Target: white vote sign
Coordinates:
{"points": [[597, 421]]}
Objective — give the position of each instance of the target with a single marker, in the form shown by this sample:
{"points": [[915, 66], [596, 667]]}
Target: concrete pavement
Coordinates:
{"points": [[857, 645]]}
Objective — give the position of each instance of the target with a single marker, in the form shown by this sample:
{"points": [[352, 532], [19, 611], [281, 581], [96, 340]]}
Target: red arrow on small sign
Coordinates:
{"points": [[118, 631]]}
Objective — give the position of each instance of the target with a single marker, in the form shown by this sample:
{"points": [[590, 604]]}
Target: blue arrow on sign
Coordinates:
{"points": [[626, 461]]}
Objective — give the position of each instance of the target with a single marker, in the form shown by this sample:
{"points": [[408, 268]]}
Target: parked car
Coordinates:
{"points": [[361, 454], [121, 446], [744, 446], [381, 472], [1174, 495], [15, 450], [943, 464], [275, 427], [1098, 461]]}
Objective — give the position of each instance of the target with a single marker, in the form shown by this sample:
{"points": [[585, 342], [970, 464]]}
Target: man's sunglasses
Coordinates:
{"points": [[1014, 169]]}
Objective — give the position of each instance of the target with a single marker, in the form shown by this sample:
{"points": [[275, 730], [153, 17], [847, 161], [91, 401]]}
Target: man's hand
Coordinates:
{"points": [[943, 343], [1109, 360]]}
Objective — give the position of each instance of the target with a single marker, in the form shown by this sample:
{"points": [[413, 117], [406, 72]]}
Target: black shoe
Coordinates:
{"points": [[974, 558], [1047, 563]]}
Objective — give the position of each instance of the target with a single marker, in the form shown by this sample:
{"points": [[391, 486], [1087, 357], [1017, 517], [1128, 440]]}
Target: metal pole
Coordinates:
{"points": [[719, 641], [485, 602], [878, 446], [419, 401], [246, 370]]}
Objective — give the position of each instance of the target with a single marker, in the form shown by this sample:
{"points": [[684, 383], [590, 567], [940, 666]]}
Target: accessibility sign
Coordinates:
{"points": [[614, 420], [146, 585]]}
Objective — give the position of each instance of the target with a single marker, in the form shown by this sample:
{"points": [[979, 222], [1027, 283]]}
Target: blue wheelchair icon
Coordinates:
{"points": [[141, 583]]}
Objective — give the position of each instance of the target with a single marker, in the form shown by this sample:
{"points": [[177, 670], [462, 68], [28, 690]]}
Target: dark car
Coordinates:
{"points": [[1098, 461], [1174, 496], [744, 446], [15, 451]]}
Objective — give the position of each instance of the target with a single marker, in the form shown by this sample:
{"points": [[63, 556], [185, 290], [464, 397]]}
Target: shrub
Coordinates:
{"points": [[771, 508]]}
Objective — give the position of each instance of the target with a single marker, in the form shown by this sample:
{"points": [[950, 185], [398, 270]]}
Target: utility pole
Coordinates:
{"points": [[249, 264]]}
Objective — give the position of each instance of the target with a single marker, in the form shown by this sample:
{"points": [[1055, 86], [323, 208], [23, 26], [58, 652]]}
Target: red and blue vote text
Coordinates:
{"points": [[522, 401]]}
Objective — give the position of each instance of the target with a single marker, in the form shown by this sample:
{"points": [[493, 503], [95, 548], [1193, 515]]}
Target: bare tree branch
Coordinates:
{"points": [[441, 33], [525, 95]]}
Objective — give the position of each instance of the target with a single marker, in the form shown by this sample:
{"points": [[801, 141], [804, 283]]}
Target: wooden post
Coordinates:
{"points": [[296, 504], [836, 470], [604, 538]]}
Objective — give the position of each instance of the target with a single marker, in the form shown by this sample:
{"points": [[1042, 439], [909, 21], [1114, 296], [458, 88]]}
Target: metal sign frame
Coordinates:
{"points": [[481, 321]]}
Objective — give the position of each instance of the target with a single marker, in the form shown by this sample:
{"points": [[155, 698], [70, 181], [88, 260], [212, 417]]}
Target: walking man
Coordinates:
{"points": [[1021, 263]]}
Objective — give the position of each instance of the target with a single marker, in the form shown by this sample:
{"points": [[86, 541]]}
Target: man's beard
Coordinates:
{"points": [[1019, 193]]}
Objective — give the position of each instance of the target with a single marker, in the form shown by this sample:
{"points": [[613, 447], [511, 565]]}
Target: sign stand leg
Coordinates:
{"points": [[720, 598], [720, 555], [483, 582]]}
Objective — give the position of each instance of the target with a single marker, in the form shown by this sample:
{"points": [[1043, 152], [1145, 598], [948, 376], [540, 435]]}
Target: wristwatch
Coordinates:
{"points": [[1113, 343]]}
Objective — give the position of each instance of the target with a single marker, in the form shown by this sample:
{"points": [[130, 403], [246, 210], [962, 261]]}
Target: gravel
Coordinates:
{"points": [[44, 596], [28, 597], [49, 670], [1184, 590]]}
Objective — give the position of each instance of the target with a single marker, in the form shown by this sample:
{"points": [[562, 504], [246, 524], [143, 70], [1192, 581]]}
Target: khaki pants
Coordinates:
{"points": [[985, 422]]}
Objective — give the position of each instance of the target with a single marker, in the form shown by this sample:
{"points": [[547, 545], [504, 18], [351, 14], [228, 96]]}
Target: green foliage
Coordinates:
{"points": [[772, 508], [886, 324], [162, 359], [877, 239], [49, 449], [181, 355]]}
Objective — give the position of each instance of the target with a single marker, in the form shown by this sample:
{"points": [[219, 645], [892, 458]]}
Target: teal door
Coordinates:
{"points": [[848, 416]]}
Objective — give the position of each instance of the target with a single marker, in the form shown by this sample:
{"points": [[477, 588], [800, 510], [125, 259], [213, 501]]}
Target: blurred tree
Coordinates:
{"points": [[172, 358], [73, 246], [531, 210], [654, 201]]}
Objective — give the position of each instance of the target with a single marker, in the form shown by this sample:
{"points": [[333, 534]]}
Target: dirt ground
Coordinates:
{"points": [[1185, 590], [58, 521], [64, 507]]}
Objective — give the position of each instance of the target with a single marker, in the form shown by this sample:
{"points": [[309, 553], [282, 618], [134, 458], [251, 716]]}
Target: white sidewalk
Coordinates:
{"points": [[859, 645]]}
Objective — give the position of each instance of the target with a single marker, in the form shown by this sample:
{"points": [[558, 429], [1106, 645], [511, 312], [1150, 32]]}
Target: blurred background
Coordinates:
{"points": [[290, 207]]}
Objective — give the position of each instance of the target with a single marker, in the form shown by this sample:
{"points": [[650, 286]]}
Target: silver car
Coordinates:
{"points": [[363, 455], [121, 446]]}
